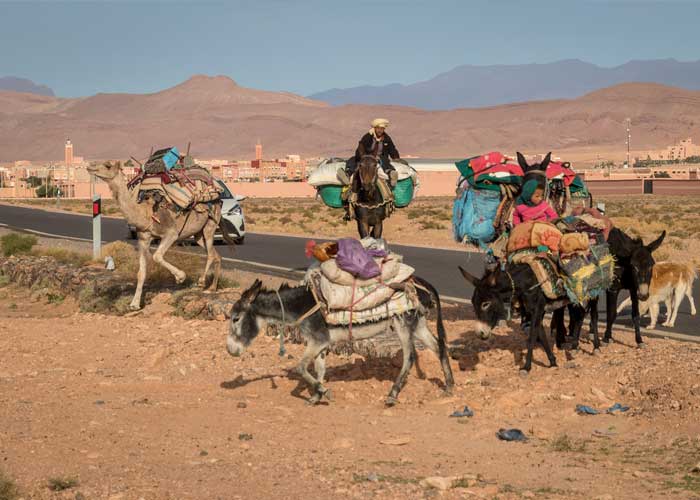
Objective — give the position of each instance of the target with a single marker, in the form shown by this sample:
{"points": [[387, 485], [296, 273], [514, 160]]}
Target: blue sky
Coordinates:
{"points": [[305, 46]]}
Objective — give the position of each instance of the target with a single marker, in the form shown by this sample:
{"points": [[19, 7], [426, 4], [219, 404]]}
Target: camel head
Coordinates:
{"points": [[106, 171]]}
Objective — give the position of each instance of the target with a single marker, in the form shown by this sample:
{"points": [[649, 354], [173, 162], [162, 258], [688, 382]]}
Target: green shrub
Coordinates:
{"points": [[14, 243], [8, 490], [62, 483]]}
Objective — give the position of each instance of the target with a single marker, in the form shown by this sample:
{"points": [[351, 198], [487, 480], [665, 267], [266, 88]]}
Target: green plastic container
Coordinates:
{"points": [[331, 196], [403, 192]]}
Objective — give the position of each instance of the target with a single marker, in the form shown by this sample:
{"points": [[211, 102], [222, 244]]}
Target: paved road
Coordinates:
{"points": [[436, 265]]}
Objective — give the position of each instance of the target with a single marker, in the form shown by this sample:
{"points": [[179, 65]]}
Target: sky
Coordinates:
{"points": [[306, 46]]}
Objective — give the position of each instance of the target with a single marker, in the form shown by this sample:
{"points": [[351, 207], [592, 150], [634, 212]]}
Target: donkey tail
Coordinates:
{"points": [[442, 334]]}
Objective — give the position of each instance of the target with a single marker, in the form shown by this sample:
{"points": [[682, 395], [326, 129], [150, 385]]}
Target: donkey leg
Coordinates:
{"points": [[635, 318], [362, 227], [320, 366], [406, 339], [377, 230], [611, 313], [313, 349], [545, 343], [594, 325], [535, 328], [144, 245], [165, 243], [424, 334], [675, 305]]}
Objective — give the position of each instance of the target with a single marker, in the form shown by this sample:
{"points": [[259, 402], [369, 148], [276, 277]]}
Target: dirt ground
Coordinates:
{"points": [[153, 407]]}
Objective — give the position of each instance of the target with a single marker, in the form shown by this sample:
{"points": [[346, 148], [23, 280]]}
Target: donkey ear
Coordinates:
{"points": [[546, 161], [491, 280], [469, 277], [251, 293], [522, 162], [656, 243]]}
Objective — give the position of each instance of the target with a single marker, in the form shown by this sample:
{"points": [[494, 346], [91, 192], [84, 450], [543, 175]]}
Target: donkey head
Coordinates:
{"points": [[487, 301], [641, 262], [368, 173], [535, 166], [244, 324]]}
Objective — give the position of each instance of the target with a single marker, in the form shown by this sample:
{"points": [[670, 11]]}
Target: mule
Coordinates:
{"points": [[518, 285], [288, 305], [634, 264], [369, 206]]}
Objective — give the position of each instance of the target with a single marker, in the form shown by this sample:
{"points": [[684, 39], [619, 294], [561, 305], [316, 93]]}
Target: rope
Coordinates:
{"points": [[282, 350]]}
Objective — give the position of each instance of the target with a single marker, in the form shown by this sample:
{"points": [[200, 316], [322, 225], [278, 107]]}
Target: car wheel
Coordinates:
{"points": [[240, 241], [132, 234]]}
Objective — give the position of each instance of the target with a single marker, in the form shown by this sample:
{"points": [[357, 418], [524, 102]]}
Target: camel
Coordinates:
{"points": [[168, 225]]}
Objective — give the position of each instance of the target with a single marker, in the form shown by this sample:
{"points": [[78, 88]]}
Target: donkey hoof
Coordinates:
{"points": [[641, 345], [390, 401], [448, 391], [328, 394], [607, 340], [313, 400], [135, 307], [596, 352], [523, 373]]}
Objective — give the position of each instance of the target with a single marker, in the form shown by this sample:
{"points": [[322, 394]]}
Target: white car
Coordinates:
{"points": [[231, 214]]}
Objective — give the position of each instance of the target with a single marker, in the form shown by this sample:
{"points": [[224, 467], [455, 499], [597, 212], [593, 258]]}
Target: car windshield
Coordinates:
{"points": [[226, 195]]}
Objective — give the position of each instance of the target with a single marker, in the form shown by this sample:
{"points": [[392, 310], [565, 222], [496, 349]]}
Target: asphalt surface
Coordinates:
{"points": [[286, 254]]}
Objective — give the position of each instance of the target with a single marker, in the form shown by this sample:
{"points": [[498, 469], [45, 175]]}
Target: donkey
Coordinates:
{"points": [[369, 206], [634, 264], [288, 305], [517, 284]]}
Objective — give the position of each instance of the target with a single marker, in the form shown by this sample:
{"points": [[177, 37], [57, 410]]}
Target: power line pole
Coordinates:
{"points": [[628, 141]]}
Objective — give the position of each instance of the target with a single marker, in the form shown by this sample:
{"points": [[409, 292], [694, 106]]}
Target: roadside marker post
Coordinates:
{"points": [[96, 226]]}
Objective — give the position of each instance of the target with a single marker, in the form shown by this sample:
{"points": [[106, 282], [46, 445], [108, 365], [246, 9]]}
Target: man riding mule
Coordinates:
{"points": [[376, 142]]}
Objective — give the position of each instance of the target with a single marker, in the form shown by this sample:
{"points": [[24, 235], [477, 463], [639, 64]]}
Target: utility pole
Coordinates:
{"points": [[628, 141]]}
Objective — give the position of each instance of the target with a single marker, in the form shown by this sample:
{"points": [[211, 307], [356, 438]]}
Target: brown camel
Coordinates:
{"points": [[166, 224]]}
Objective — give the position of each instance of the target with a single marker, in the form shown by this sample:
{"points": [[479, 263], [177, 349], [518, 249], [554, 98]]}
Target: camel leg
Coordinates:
{"points": [[165, 243], [689, 294], [144, 245], [213, 256]]}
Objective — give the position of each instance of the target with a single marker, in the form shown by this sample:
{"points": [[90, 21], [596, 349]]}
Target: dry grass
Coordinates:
{"points": [[64, 256], [62, 483]]}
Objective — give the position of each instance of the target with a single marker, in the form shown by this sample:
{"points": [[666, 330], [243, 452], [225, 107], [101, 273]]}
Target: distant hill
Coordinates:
{"points": [[14, 84], [476, 86], [224, 120]]}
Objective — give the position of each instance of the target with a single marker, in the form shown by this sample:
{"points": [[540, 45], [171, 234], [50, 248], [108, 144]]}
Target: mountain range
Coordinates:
{"points": [[476, 86], [15, 84], [225, 120]]}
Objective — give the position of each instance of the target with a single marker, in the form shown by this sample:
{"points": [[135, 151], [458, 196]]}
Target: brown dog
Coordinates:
{"points": [[670, 282]]}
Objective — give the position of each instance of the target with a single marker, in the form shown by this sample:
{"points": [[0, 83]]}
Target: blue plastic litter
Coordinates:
{"points": [[511, 435], [586, 410], [464, 413], [618, 407]]}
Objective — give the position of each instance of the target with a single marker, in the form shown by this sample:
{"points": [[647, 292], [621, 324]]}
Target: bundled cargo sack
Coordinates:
{"points": [[473, 214], [162, 161], [590, 275], [326, 174], [534, 234], [389, 268], [360, 298], [489, 171]]}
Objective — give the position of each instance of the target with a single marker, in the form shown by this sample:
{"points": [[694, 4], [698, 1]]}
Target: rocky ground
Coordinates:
{"points": [[151, 406]]}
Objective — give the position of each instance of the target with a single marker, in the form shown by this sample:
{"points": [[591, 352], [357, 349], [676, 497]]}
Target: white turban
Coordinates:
{"points": [[380, 122]]}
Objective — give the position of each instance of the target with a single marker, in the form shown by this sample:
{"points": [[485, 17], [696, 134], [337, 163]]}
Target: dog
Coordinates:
{"points": [[670, 282]]}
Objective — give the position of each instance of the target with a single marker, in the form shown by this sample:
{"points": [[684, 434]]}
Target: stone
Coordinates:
{"points": [[242, 405], [438, 483], [400, 441], [639, 474], [599, 394], [675, 405], [696, 469], [343, 444]]}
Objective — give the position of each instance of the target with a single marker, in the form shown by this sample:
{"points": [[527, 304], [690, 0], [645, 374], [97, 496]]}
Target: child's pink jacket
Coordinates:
{"points": [[542, 212]]}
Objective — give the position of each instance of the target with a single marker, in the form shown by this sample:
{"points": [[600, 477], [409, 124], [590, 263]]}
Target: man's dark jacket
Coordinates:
{"points": [[388, 148]]}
